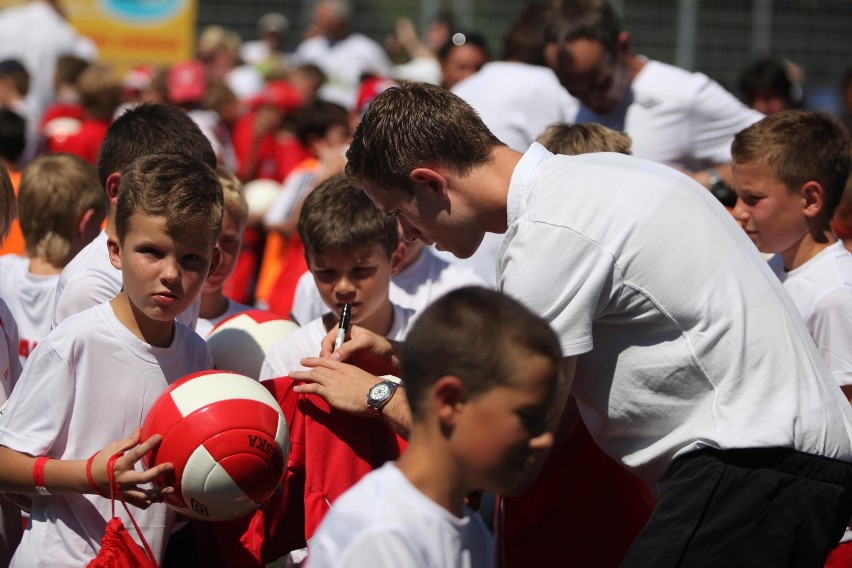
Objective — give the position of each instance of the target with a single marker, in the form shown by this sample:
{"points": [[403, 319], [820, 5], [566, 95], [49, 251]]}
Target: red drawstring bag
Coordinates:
{"points": [[118, 549]]}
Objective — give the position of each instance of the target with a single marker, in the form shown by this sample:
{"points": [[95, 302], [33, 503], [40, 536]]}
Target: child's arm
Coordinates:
{"points": [[69, 476]]}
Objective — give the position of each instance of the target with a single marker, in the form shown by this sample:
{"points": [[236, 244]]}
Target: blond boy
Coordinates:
{"points": [[61, 206], [94, 377], [215, 305], [573, 139]]}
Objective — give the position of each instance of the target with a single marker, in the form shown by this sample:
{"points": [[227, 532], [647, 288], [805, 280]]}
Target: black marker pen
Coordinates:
{"points": [[345, 315]]}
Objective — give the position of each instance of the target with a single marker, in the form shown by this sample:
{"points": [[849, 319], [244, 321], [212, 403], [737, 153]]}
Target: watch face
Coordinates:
{"points": [[379, 391]]}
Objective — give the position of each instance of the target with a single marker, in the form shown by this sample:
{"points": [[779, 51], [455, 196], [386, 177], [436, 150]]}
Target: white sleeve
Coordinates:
{"points": [[381, 547], [295, 187], [307, 302], [715, 117], [40, 404], [562, 276], [81, 294], [10, 363], [830, 324]]}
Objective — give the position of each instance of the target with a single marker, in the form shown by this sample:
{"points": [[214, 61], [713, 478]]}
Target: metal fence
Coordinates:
{"points": [[717, 37]]}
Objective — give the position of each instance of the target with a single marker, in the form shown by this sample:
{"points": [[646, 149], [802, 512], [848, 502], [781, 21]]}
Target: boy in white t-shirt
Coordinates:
{"points": [[480, 373], [61, 207], [352, 250], [93, 379], [90, 278], [215, 306]]}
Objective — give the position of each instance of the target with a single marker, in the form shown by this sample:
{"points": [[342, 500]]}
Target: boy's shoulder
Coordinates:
{"points": [[823, 283]]}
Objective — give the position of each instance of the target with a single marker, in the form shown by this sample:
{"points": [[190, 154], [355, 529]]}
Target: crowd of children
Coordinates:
{"points": [[641, 389]]}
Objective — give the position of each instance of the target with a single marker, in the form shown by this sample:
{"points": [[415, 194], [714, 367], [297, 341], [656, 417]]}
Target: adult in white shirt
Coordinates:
{"points": [[90, 278], [674, 116], [688, 360], [343, 56], [37, 34]]}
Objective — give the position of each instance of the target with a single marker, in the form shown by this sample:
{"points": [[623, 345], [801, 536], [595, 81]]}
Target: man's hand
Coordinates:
{"points": [[343, 386], [365, 349]]}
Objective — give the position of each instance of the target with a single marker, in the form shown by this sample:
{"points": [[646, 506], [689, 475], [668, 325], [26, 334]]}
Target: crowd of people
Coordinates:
{"points": [[600, 305]]}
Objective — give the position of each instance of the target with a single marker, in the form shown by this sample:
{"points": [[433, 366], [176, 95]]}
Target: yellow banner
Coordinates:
{"points": [[130, 32]]}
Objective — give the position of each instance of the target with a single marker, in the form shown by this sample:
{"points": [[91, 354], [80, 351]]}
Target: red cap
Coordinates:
{"points": [[186, 82], [280, 94]]}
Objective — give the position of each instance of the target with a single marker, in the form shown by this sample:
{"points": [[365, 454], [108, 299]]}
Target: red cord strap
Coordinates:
{"points": [[113, 488], [91, 479]]}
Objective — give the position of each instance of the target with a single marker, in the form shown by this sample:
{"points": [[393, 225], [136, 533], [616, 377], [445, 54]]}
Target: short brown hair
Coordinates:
{"points": [[479, 335], [182, 189], [338, 215], [799, 146], [415, 124], [100, 88], [574, 139], [55, 190]]}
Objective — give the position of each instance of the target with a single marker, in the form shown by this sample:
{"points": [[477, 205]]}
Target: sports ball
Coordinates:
{"points": [[260, 195], [239, 343], [227, 439]]}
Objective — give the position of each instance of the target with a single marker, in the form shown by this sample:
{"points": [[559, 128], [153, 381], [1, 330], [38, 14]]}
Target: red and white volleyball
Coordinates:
{"points": [[227, 439], [240, 342]]}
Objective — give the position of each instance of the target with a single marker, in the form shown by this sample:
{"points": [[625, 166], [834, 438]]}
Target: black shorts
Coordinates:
{"points": [[771, 507]]}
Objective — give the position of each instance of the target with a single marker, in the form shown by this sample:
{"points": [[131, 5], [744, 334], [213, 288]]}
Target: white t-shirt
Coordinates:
{"points": [[685, 337], [517, 101], [91, 279], [10, 365], [305, 342], [677, 117], [343, 62], [30, 297], [204, 326], [416, 286], [88, 383], [822, 290], [384, 521]]}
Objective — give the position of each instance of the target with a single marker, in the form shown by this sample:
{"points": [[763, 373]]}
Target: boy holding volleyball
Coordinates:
{"points": [[94, 377], [480, 373]]}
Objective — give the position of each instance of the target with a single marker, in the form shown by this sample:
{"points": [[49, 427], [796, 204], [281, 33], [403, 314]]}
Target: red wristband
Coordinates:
{"points": [[38, 475], [89, 476]]}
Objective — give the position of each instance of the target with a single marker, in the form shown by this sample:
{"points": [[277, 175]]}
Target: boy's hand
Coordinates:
{"points": [[343, 386], [126, 476], [365, 349]]}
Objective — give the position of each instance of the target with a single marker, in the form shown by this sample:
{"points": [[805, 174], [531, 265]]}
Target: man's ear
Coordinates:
{"points": [[114, 252], [448, 399], [813, 198], [112, 184], [432, 179], [85, 222], [214, 261], [398, 258]]}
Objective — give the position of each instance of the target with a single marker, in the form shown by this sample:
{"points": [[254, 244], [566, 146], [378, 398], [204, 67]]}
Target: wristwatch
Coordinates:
{"points": [[379, 395], [721, 190]]}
